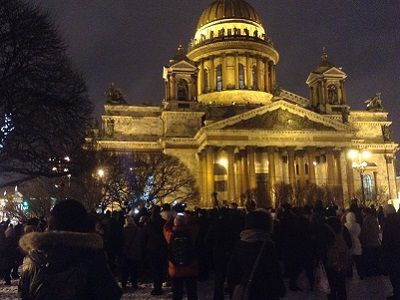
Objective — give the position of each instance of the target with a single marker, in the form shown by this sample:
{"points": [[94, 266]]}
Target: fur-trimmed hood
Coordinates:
{"points": [[45, 240]]}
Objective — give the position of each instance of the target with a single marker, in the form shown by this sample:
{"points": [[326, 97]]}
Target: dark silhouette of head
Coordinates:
{"points": [[69, 215]]}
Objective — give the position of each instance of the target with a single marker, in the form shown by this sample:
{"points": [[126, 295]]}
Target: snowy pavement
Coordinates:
{"points": [[375, 288]]}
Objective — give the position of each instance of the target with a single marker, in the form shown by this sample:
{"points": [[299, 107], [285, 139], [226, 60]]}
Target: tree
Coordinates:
{"points": [[283, 193], [44, 105], [154, 177]]}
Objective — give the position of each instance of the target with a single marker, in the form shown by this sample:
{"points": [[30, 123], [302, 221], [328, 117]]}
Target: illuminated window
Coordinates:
{"points": [[255, 78], [368, 187], [241, 76], [183, 90], [219, 78], [205, 79]]}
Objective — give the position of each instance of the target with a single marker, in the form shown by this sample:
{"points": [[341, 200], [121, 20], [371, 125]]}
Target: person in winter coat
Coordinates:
{"points": [[391, 248], [9, 254], [356, 250], [67, 262], [157, 249], [181, 234], [267, 282], [370, 241], [223, 234], [132, 252], [337, 257]]}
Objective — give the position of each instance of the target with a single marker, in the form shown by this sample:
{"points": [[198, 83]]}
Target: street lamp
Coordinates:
{"points": [[101, 172], [359, 163]]}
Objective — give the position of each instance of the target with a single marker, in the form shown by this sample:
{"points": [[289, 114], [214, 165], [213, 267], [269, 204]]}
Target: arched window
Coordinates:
{"points": [[205, 81], [219, 78], [255, 78], [241, 76], [368, 187], [183, 90]]}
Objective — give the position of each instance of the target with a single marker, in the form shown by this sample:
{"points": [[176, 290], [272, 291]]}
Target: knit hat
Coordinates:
{"points": [[70, 215]]}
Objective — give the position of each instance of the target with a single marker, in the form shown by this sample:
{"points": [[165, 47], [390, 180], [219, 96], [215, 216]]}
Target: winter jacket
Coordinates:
{"points": [[354, 230], [155, 241], [370, 232], [190, 229], [391, 243], [267, 282], [132, 242], [65, 266]]}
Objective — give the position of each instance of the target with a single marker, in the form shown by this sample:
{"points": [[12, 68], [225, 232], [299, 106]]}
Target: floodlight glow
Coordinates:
{"points": [[366, 154], [353, 154], [223, 162]]}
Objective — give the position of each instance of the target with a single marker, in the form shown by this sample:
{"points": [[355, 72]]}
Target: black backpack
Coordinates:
{"points": [[181, 250]]}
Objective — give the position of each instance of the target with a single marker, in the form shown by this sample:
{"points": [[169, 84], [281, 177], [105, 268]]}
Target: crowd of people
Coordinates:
{"points": [[247, 251]]}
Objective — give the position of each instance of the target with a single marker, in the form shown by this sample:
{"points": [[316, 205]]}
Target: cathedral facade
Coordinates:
{"points": [[240, 134]]}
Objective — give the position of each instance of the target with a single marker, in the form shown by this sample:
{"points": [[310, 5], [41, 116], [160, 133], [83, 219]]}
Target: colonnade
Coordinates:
{"points": [[249, 169], [264, 68]]}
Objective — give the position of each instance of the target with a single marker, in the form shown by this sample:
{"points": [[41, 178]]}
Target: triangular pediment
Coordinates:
{"points": [[183, 65], [332, 72], [279, 116], [335, 72]]}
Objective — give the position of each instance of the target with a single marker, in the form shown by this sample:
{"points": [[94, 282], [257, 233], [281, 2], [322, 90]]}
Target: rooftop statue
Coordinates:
{"points": [[375, 103], [114, 95]]}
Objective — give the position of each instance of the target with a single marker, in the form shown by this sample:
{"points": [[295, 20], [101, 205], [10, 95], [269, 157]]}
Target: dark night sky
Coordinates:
{"points": [[129, 41]]}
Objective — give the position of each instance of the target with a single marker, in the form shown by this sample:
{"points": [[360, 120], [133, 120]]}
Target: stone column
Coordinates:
{"points": [[201, 87], [245, 174], [279, 177], [173, 87], [166, 89], [391, 176], [252, 168], [212, 78], [259, 75], [266, 76], [224, 72], [271, 175], [311, 166], [248, 71], [210, 157], [271, 81], [342, 87], [338, 177], [330, 161], [238, 177], [325, 91], [236, 71], [231, 174], [350, 178], [292, 176], [344, 178], [302, 173], [203, 177], [273, 75]]}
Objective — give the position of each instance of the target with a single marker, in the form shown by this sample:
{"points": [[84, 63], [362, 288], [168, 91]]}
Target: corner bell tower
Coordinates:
{"points": [[180, 78], [327, 87]]}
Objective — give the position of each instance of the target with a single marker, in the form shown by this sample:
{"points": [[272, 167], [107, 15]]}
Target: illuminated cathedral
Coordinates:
{"points": [[240, 134]]}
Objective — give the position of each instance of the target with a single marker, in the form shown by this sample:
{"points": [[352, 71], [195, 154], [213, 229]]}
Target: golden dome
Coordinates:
{"points": [[228, 9]]}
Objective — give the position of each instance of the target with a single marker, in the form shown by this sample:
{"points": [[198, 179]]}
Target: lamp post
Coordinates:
{"points": [[359, 163]]}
